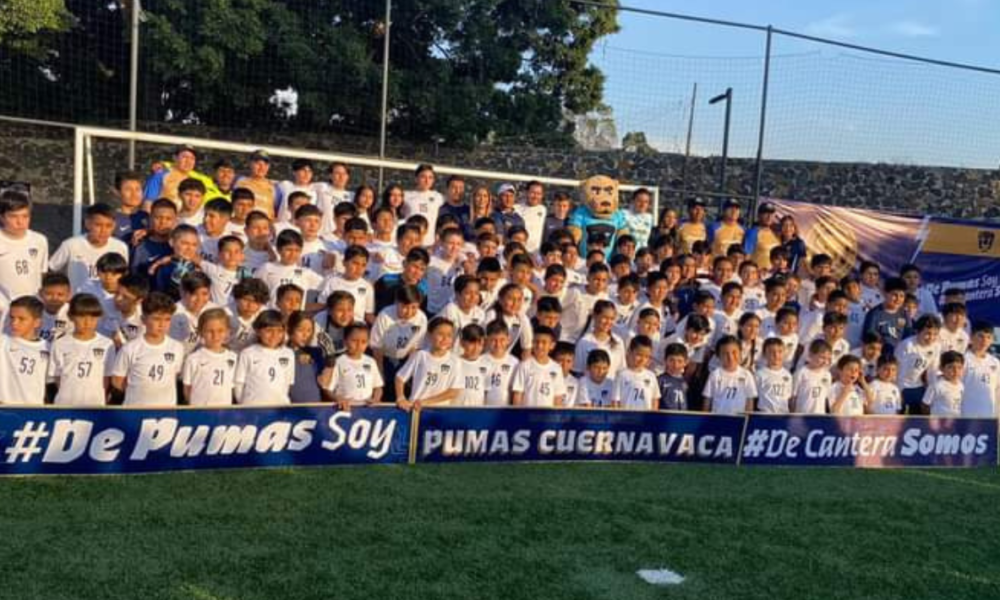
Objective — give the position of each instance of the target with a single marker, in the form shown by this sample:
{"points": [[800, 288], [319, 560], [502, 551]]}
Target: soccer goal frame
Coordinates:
{"points": [[83, 163]]}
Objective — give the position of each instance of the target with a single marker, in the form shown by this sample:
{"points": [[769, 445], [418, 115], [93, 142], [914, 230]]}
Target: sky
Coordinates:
{"points": [[824, 102]]}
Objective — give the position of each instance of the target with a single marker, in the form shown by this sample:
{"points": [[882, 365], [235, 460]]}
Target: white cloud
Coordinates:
{"points": [[835, 26], [914, 29]]}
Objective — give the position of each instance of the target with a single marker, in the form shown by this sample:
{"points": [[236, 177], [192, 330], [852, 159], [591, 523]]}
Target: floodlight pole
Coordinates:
{"points": [[385, 89], [133, 84], [760, 130], [728, 97]]}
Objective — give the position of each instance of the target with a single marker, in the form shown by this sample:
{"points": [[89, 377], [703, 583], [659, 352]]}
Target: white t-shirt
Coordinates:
{"points": [[184, 326], [276, 275], [855, 323], [223, 282], [853, 405], [730, 390], [957, 341], [982, 386], [355, 380], [914, 360], [289, 187], [812, 390], [791, 344], [870, 297], [518, 329], [591, 393], [476, 316], [534, 222], [210, 376], [22, 263], [314, 254], [474, 379], [426, 204], [774, 389], [78, 258], [121, 328], [636, 390], [328, 199], [499, 374], [264, 375], [80, 367], [440, 279], [578, 307], [23, 370], [395, 338], [361, 290], [391, 263], [572, 387], [241, 333], [55, 326], [615, 348], [754, 298], [431, 375], [945, 398], [886, 399], [541, 384], [150, 371]]}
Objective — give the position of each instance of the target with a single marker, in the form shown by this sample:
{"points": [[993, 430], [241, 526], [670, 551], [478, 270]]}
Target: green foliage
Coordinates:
{"points": [[635, 141], [22, 20], [465, 71]]}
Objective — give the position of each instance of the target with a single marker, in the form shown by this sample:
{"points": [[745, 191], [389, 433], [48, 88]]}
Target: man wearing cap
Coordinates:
{"points": [[693, 229], [165, 180], [302, 181], [505, 216], [267, 195], [761, 238], [727, 231]]}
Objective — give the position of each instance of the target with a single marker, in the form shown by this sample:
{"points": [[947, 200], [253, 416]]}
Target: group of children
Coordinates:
{"points": [[302, 291]]}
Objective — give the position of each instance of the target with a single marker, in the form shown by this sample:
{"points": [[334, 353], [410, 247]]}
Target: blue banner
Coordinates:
{"points": [[873, 441], [51, 441], [538, 434]]}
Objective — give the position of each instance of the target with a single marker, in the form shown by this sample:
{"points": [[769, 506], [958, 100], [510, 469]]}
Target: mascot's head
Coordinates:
{"points": [[600, 194]]}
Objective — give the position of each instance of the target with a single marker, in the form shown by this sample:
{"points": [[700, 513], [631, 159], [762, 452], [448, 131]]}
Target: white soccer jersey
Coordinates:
{"points": [[594, 394], [982, 386], [615, 348], [957, 341], [577, 309], [636, 390], [944, 398], [255, 259], [328, 198], [287, 188], [194, 220], [355, 379], [914, 360], [241, 333], [426, 204], [791, 344], [313, 254], [55, 326], [208, 246], [811, 390], [210, 376], [754, 298], [499, 374], [184, 326], [476, 316], [276, 275], [150, 371], [695, 353], [623, 317], [540, 384], [395, 338], [77, 257], [121, 328], [223, 282], [853, 405], [362, 292], [518, 329], [886, 399], [431, 375], [23, 369], [80, 367], [22, 263], [264, 375], [572, 389], [723, 325], [774, 389], [730, 390], [384, 258], [870, 297], [474, 379], [534, 223], [440, 279]]}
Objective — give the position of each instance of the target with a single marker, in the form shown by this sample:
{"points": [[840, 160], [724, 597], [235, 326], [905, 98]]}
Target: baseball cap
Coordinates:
{"points": [[506, 187], [696, 202], [260, 155], [731, 203], [186, 148], [766, 207]]}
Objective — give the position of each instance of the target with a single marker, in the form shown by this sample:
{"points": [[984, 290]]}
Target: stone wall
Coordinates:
{"points": [[44, 157]]}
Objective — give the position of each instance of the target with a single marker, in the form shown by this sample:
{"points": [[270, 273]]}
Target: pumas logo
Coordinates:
{"points": [[283, 361], [552, 374], [445, 368], [33, 252], [98, 352], [505, 368], [168, 357], [986, 239], [366, 367], [230, 363]]}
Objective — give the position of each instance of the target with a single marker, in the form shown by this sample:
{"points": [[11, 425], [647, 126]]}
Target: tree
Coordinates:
{"points": [[635, 141], [20, 19]]}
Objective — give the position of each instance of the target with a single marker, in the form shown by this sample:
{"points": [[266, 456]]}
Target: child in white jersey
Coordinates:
{"points": [[464, 309], [564, 355], [595, 389], [435, 377], [81, 362], [774, 382], [812, 383], [473, 367], [354, 380], [886, 399], [982, 375], [265, 371], [538, 380], [944, 397], [850, 396], [635, 386], [147, 368], [730, 389], [918, 356], [210, 370]]}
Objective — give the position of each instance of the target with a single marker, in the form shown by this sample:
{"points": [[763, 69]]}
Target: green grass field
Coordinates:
{"points": [[503, 531]]}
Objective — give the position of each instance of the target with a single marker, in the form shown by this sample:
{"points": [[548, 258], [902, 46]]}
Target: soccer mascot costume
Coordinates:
{"points": [[598, 219]]}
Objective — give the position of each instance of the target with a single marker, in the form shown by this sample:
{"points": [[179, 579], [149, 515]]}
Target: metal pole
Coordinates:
{"points": [[133, 87], [385, 89], [752, 214], [687, 146], [725, 142], [77, 182], [91, 190]]}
